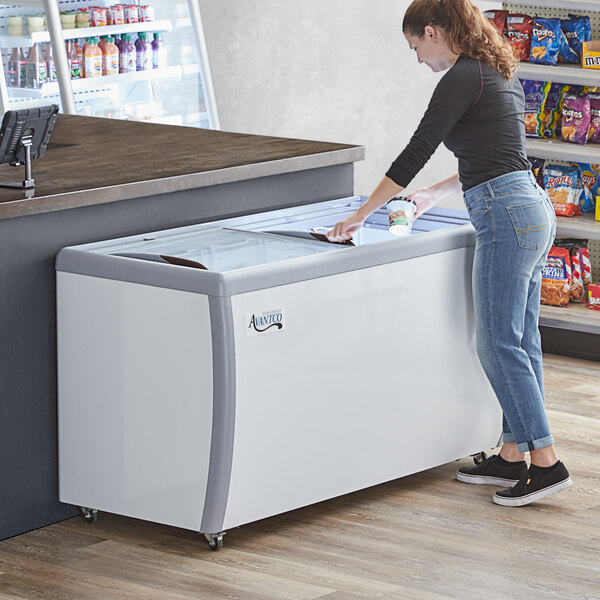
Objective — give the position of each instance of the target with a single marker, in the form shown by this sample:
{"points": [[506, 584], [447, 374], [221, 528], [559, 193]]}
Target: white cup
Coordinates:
{"points": [[401, 212]]}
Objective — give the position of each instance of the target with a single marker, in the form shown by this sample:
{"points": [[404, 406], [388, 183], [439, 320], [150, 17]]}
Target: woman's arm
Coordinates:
{"points": [[426, 197], [344, 230]]}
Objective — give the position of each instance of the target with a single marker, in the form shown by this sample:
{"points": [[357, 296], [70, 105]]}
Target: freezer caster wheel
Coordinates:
{"points": [[215, 540], [479, 458], [90, 515]]}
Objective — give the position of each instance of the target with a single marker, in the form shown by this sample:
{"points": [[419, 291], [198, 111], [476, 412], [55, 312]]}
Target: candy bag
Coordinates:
{"points": [[545, 42], [519, 29], [576, 118]]}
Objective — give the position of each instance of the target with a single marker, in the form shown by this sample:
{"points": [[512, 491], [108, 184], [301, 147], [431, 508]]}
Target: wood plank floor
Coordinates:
{"points": [[423, 537]]}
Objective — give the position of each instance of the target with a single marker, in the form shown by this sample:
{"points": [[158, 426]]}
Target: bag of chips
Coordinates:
{"points": [[576, 30], [534, 97], [519, 29], [550, 113], [594, 296], [537, 168], [560, 183], [545, 42], [594, 131], [498, 19], [590, 176], [581, 275], [556, 278], [566, 54], [576, 118]]}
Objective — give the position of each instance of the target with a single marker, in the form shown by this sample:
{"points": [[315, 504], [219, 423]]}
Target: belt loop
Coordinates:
{"points": [[490, 189]]}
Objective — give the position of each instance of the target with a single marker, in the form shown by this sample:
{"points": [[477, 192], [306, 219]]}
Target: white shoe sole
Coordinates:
{"points": [[485, 480], [529, 498]]}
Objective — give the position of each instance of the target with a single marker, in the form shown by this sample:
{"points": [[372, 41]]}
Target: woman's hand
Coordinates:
{"points": [[424, 198], [344, 230]]}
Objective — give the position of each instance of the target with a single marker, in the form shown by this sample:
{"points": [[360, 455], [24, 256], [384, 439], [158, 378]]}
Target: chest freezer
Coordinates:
{"points": [[213, 375]]}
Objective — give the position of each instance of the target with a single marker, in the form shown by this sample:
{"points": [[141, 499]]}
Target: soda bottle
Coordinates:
{"points": [[159, 52], [143, 53]]}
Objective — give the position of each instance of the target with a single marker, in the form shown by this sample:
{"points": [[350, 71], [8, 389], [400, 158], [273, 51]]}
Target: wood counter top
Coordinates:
{"points": [[93, 161]]}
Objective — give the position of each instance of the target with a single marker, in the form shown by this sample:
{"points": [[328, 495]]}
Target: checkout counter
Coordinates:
{"points": [[103, 179]]}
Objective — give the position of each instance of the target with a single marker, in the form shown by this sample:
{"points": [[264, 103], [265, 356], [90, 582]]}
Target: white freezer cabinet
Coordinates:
{"points": [[213, 375]]}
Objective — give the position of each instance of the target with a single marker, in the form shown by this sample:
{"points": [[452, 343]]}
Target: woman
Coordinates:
{"points": [[477, 111]]}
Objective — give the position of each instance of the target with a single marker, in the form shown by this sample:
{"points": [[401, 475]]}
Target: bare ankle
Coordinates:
{"points": [[510, 452]]}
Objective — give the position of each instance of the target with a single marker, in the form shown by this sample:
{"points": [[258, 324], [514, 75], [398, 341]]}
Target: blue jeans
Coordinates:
{"points": [[515, 226]]}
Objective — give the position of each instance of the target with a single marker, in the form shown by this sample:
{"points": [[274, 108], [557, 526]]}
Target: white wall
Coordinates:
{"points": [[332, 70]]}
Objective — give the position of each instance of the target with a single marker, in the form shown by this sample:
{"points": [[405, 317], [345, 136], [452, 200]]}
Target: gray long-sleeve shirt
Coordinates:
{"points": [[479, 116]]}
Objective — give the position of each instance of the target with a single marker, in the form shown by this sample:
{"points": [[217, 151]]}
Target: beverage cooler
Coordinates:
{"points": [[216, 374], [140, 61]]}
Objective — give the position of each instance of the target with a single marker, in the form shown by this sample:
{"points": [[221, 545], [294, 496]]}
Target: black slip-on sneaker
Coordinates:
{"points": [[491, 473], [529, 489]]}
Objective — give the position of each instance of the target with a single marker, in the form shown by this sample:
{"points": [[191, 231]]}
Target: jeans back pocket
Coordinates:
{"points": [[530, 222]]}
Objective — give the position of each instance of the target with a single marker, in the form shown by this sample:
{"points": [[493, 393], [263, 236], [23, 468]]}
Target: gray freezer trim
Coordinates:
{"points": [[223, 425], [342, 260]]}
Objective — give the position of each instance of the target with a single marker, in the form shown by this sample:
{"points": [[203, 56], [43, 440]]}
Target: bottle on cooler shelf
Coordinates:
{"points": [[17, 68], [74, 59], [143, 53], [159, 52], [50, 64], [23, 69], [127, 55], [92, 57], [102, 43], [37, 73], [110, 57]]}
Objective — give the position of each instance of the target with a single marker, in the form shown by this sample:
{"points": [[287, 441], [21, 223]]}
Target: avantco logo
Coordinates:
{"points": [[271, 321]]}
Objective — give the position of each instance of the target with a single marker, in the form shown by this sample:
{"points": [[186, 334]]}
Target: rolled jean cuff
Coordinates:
{"points": [[508, 437], [535, 444]]}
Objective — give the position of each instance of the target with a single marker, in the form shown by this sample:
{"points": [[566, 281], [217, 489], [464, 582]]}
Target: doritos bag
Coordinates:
{"points": [[498, 19], [545, 43], [534, 97], [560, 183], [556, 278], [594, 131], [576, 30], [519, 30], [576, 118]]}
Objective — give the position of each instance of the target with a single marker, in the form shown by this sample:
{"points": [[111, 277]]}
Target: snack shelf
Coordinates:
{"points": [[581, 226], [560, 73], [558, 150], [587, 5], [93, 83], [26, 41], [576, 317]]}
